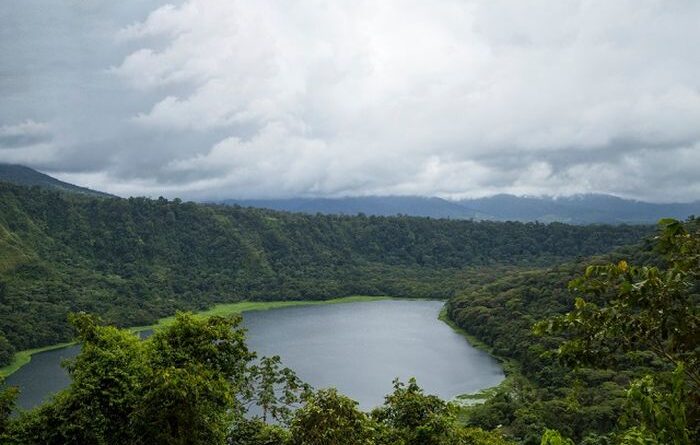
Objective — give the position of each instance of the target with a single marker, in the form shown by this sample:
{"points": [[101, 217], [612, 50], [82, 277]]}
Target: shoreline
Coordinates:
{"points": [[511, 368], [21, 358]]}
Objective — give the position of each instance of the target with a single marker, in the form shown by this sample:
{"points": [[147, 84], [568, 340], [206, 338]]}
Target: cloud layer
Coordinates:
{"points": [[225, 98]]}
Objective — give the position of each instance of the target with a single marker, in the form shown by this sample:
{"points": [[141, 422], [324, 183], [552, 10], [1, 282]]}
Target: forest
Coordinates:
{"points": [[131, 261], [595, 325], [587, 341], [615, 364]]}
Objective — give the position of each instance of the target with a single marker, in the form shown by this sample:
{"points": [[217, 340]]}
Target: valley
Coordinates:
{"points": [[78, 263]]}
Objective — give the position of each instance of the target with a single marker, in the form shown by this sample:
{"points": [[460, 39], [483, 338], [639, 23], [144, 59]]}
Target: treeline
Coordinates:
{"points": [[586, 399], [133, 260]]}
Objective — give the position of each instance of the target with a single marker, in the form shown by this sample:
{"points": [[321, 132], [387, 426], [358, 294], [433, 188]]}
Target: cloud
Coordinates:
{"points": [[27, 142], [25, 134], [226, 98]]}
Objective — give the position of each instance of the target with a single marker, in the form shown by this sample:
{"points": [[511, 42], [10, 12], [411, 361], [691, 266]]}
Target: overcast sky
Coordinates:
{"points": [[207, 99]]}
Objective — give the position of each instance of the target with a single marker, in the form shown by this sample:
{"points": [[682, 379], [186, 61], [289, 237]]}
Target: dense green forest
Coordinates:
{"points": [[595, 370], [618, 366], [134, 260], [575, 373]]}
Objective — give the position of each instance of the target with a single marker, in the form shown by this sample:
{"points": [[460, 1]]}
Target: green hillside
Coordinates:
{"points": [[589, 399], [134, 260]]}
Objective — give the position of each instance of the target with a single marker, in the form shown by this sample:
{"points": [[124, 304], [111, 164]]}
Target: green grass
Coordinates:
{"points": [[21, 358]]}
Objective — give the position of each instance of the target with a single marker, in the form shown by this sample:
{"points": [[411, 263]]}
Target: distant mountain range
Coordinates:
{"points": [[21, 175], [577, 209], [370, 205]]}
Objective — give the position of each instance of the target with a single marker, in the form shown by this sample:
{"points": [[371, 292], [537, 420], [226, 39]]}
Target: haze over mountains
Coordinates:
{"points": [[576, 209]]}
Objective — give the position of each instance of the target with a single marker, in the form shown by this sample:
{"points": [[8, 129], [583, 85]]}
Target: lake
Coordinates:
{"points": [[357, 347]]}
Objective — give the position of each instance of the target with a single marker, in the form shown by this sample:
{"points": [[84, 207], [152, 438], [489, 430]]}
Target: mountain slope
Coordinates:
{"points": [[133, 260], [21, 175]]}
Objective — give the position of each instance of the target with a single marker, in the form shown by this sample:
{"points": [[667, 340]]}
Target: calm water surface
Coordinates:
{"points": [[357, 347]]}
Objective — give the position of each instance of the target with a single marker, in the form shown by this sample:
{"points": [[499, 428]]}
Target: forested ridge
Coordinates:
{"points": [[636, 325], [544, 393], [133, 260]]}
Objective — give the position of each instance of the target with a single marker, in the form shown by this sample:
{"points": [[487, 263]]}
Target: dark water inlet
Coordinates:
{"points": [[357, 347]]}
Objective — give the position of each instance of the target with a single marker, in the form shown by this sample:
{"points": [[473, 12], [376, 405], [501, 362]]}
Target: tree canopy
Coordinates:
{"points": [[603, 360]]}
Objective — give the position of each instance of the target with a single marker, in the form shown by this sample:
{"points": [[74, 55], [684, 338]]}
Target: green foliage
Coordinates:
{"points": [[618, 343], [106, 378], [275, 390], [477, 436], [7, 403], [414, 418], [257, 432], [196, 368], [552, 437], [656, 415], [501, 314], [328, 417], [642, 308], [583, 403], [179, 386], [7, 351], [132, 261]]}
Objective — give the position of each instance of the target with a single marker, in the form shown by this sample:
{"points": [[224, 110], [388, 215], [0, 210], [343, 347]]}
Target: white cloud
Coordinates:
{"points": [[452, 98]]}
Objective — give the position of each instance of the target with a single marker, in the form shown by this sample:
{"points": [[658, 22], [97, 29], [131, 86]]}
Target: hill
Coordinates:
{"points": [[21, 175], [501, 308], [134, 260]]}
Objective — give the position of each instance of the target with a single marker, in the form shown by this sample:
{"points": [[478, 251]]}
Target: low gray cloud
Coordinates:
{"points": [[25, 134], [224, 98]]}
